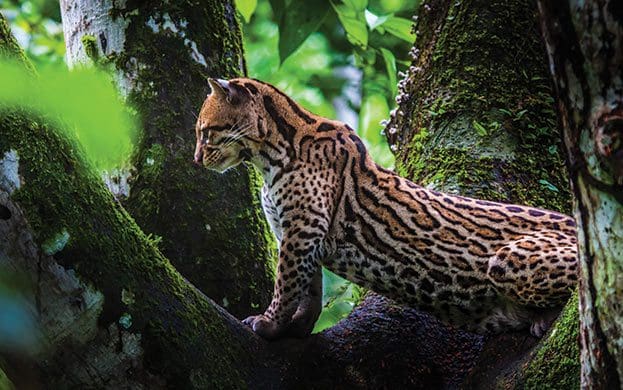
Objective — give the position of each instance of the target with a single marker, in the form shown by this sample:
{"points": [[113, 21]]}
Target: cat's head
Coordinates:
{"points": [[227, 126]]}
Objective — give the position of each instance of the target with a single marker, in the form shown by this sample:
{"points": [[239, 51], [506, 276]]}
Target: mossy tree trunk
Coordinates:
{"points": [[211, 226], [112, 311], [476, 117], [585, 46]]}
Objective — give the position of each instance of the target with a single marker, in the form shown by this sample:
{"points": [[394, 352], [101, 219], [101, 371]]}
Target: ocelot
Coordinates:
{"points": [[481, 265]]}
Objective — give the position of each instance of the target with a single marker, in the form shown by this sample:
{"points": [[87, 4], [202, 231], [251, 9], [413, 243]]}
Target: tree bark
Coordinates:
{"points": [[112, 311], [585, 47], [211, 226], [476, 117]]}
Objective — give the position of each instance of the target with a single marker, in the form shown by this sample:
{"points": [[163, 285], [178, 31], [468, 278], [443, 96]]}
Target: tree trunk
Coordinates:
{"points": [[476, 117], [585, 46], [211, 225], [112, 311]]}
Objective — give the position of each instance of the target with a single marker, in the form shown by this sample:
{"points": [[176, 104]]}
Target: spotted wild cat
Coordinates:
{"points": [[481, 265]]}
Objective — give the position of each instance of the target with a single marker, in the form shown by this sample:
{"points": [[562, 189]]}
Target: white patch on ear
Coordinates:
{"points": [[9, 175], [220, 87]]}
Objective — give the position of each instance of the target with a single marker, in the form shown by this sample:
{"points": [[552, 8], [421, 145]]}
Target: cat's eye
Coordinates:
{"points": [[205, 136]]}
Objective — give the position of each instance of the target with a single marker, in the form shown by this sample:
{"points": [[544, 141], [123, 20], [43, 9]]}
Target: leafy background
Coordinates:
{"points": [[339, 59]]}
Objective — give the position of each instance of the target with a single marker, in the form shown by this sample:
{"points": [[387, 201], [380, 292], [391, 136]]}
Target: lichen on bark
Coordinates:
{"points": [[585, 47]]}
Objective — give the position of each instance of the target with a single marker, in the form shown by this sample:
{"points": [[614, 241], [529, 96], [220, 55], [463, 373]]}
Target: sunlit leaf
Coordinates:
{"points": [[373, 20], [83, 103], [298, 21], [357, 5], [390, 65], [339, 298], [400, 28], [374, 108], [246, 8], [354, 23], [480, 129]]}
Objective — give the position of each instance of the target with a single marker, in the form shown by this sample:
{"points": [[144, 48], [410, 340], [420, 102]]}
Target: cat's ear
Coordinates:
{"points": [[222, 89]]}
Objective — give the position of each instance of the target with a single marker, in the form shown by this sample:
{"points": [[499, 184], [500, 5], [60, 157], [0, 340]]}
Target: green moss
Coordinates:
{"points": [[480, 121], [182, 333], [479, 102], [556, 363], [211, 225], [61, 191], [89, 42], [9, 48]]}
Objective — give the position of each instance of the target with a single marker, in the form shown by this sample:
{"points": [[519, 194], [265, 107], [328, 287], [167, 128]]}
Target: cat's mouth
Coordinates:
{"points": [[220, 161]]}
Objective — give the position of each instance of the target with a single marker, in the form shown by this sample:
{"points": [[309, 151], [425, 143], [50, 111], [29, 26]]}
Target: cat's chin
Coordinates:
{"points": [[224, 166]]}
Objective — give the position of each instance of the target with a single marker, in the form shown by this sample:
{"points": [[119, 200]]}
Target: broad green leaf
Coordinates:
{"points": [[480, 129], [299, 20], [104, 127], [246, 8], [374, 108], [354, 23], [373, 20], [357, 5], [400, 27], [338, 299], [278, 7], [390, 65]]}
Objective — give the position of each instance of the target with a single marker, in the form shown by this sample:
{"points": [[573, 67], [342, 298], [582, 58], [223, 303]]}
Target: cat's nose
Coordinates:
{"points": [[198, 158]]}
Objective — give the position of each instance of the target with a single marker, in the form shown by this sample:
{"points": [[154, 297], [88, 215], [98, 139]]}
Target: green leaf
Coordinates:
{"points": [[548, 185], [521, 113], [246, 8], [400, 28], [373, 20], [390, 66], [480, 130], [354, 22], [298, 21], [278, 7], [105, 128], [357, 5], [374, 108]]}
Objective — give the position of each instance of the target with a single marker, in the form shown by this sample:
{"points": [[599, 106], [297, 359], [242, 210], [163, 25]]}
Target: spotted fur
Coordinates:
{"points": [[482, 265]]}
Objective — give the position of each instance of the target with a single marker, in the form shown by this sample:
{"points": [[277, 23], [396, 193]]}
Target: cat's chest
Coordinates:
{"points": [[271, 210]]}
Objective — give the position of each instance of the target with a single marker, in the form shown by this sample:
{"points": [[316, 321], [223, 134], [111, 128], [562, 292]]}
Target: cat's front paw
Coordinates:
{"points": [[263, 326]]}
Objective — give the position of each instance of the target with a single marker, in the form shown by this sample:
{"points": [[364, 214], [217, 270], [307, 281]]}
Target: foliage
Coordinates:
{"points": [[339, 297], [103, 126], [36, 24], [337, 59]]}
